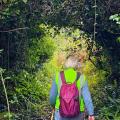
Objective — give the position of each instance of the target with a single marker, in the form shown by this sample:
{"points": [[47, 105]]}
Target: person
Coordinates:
{"points": [[72, 63]]}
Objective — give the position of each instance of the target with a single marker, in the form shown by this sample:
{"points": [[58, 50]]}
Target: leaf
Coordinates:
{"points": [[25, 1], [1, 50], [2, 71], [8, 115], [118, 40], [7, 78], [94, 6], [118, 23], [111, 99], [112, 17], [5, 1]]}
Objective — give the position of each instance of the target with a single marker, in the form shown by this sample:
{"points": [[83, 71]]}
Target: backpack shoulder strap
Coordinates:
{"points": [[62, 77], [78, 76], [61, 80], [80, 81]]}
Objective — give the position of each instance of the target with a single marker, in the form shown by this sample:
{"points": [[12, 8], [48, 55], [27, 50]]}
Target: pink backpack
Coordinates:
{"points": [[69, 98]]}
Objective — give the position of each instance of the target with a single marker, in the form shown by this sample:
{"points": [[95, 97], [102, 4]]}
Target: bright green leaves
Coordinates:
{"points": [[118, 40], [40, 49], [115, 18], [25, 1], [7, 1], [30, 88]]}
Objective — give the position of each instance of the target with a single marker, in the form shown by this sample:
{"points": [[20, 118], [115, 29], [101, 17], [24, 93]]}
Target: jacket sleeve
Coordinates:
{"points": [[87, 99], [53, 93]]}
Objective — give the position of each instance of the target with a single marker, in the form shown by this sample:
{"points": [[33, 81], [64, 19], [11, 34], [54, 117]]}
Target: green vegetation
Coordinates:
{"points": [[33, 35]]}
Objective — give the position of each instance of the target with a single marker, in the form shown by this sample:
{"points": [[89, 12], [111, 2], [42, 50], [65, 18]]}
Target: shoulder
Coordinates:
{"points": [[81, 81], [57, 77], [83, 76]]}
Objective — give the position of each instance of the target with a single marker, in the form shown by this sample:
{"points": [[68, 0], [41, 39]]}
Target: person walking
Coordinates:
{"points": [[69, 93]]}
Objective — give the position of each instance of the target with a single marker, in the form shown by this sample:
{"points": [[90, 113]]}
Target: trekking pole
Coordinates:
{"points": [[52, 114]]}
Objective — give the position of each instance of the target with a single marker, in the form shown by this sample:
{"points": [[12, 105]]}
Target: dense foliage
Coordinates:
{"points": [[34, 33]]}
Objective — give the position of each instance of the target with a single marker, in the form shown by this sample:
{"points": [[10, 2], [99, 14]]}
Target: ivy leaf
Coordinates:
{"points": [[25, 1]]}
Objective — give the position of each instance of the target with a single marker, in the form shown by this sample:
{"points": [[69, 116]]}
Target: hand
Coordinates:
{"points": [[91, 118]]}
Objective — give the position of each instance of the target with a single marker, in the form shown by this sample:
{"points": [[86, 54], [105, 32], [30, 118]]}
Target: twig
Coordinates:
{"points": [[16, 29], [95, 21], [8, 106]]}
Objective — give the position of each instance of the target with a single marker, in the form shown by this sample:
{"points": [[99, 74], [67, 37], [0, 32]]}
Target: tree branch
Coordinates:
{"points": [[12, 30]]}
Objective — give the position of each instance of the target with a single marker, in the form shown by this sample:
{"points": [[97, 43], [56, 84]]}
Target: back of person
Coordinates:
{"points": [[70, 76]]}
